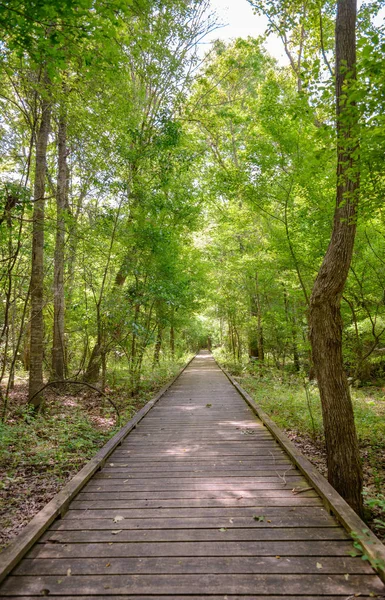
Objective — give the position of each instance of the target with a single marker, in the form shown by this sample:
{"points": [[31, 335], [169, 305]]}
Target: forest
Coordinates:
{"points": [[156, 199]]}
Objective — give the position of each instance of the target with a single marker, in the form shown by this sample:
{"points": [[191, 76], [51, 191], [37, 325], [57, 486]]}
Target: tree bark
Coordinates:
{"points": [[172, 341], [291, 324], [37, 271], [92, 373], [58, 346], [158, 344], [344, 466], [261, 350], [256, 343]]}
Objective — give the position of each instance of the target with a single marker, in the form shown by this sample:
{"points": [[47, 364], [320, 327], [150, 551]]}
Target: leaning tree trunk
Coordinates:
{"points": [[58, 348], [344, 467], [37, 272]]}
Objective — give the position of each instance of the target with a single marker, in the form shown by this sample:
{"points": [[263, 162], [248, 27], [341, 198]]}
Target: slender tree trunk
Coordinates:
{"points": [[296, 361], [37, 272], [93, 368], [58, 347], [253, 333], [172, 341], [256, 343], [290, 320], [238, 344], [172, 335], [158, 345], [261, 350], [344, 467]]}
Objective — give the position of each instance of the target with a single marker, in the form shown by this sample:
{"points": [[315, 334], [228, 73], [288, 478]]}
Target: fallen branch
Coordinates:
{"points": [[301, 490], [73, 382]]}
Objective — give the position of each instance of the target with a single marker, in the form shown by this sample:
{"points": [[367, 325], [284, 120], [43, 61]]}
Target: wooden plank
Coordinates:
{"points": [[194, 503], [187, 456], [222, 512], [284, 520], [181, 448], [259, 497], [217, 442], [231, 549], [312, 535], [116, 474], [195, 467], [253, 496], [192, 440], [150, 452], [192, 564], [180, 469], [60, 502], [201, 584], [134, 464], [223, 427], [332, 500], [194, 597], [157, 485], [194, 444], [233, 475], [215, 422]]}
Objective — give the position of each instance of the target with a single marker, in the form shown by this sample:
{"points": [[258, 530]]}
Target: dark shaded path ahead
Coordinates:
{"points": [[197, 502]]}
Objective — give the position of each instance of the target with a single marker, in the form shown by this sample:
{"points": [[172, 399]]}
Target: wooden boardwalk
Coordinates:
{"points": [[197, 502]]}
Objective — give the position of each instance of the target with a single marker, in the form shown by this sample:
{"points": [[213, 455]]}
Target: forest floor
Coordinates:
{"points": [[293, 403], [39, 454]]}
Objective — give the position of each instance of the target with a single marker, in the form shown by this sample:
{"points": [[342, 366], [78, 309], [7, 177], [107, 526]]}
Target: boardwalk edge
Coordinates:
{"points": [[333, 502], [11, 555]]}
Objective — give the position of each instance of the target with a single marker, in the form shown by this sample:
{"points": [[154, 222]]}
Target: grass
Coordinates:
{"points": [[294, 402], [55, 443]]}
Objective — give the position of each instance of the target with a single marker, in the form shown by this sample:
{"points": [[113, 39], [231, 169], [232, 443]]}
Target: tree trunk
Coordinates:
{"points": [[37, 272], [261, 351], [291, 324], [172, 341], [256, 344], [58, 347], [158, 345], [296, 361], [344, 467], [92, 373]]}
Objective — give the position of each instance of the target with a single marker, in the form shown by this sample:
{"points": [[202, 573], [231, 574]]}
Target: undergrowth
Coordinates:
{"points": [[40, 453]]}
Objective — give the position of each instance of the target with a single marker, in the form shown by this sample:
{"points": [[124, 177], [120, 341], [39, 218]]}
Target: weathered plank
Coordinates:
{"points": [[224, 547], [272, 471], [201, 584], [281, 534], [263, 483], [116, 478], [191, 564], [149, 469], [193, 503], [251, 495], [316, 520], [234, 512], [200, 597]]}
